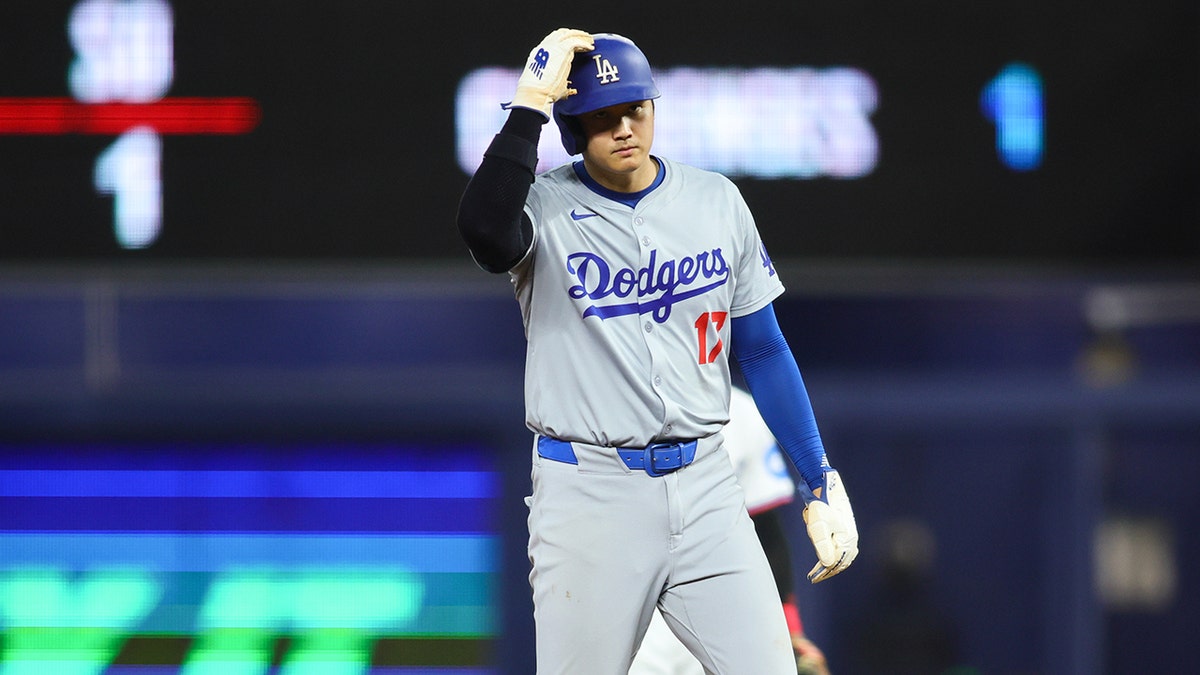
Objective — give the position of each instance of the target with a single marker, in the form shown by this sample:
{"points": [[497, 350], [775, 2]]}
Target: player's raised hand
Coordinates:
{"points": [[831, 527], [544, 79]]}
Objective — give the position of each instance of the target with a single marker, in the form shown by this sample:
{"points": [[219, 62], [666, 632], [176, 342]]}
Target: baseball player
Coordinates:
{"points": [[637, 277], [766, 484]]}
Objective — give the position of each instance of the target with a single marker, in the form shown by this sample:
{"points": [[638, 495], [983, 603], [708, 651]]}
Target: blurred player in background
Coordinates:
{"points": [[762, 472]]}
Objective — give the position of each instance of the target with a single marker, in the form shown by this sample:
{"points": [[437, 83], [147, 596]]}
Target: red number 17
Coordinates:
{"points": [[717, 319]]}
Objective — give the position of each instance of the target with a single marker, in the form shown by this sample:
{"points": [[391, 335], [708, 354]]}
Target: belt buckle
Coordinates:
{"points": [[649, 466]]}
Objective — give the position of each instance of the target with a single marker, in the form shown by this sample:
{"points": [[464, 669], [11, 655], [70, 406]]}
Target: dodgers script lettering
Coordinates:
{"points": [[658, 285]]}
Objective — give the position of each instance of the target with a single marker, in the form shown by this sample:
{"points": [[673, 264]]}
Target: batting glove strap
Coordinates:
{"points": [[544, 79], [831, 527]]}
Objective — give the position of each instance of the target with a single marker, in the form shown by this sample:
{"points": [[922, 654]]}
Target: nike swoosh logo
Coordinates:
{"points": [[581, 216]]}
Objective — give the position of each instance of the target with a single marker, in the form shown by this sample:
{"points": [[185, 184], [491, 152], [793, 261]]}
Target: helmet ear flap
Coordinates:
{"points": [[571, 132]]}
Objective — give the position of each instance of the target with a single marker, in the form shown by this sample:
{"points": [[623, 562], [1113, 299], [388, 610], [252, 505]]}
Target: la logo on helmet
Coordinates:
{"points": [[606, 72]]}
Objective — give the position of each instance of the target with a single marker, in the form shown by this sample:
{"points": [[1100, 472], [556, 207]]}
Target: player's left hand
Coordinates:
{"points": [[831, 527]]}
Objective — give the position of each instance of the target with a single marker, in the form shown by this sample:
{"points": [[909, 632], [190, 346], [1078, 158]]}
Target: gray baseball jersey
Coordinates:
{"points": [[627, 315], [627, 311]]}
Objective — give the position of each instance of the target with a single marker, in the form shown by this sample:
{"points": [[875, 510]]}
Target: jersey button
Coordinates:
{"points": [[649, 326], [645, 241], [658, 383], [638, 220]]}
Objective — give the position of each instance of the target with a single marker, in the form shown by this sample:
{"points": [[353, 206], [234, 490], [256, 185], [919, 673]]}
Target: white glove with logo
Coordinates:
{"points": [[831, 526], [544, 79]]}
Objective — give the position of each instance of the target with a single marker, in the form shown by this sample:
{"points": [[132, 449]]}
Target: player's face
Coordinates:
{"points": [[618, 145]]}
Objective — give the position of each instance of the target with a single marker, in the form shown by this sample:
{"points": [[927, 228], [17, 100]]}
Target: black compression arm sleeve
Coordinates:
{"points": [[491, 216], [775, 545]]}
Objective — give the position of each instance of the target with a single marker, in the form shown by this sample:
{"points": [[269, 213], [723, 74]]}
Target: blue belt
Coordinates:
{"points": [[658, 459]]}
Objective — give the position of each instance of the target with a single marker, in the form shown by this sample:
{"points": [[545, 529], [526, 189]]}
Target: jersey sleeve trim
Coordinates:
{"points": [[758, 303]]}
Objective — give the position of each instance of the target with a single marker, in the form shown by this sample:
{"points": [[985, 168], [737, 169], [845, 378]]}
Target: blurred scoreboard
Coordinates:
{"points": [[210, 559], [156, 130]]}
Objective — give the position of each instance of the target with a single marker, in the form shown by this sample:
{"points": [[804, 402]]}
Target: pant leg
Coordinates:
{"points": [[662, 653], [598, 550], [721, 597]]}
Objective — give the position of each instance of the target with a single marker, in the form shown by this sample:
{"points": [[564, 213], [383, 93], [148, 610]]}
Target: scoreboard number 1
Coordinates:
{"points": [[129, 171]]}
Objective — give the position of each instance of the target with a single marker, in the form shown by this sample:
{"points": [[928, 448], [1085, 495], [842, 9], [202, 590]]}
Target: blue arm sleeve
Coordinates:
{"points": [[774, 380]]}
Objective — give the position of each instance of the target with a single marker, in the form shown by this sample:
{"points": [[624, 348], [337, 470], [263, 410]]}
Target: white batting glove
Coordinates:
{"points": [[831, 526], [544, 79]]}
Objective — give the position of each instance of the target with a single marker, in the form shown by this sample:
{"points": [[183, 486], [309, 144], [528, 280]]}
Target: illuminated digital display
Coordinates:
{"points": [[123, 66], [1013, 102], [759, 123], [331, 559], [167, 130]]}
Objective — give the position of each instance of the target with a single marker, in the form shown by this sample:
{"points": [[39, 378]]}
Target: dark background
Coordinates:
{"points": [[354, 156], [309, 287]]}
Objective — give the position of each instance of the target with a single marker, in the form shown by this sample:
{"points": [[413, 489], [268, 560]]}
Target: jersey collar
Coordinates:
{"points": [[629, 199]]}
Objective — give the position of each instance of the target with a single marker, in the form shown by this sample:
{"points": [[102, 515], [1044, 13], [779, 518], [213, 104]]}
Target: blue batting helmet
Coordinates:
{"points": [[616, 71]]}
